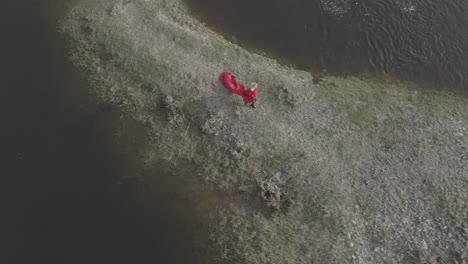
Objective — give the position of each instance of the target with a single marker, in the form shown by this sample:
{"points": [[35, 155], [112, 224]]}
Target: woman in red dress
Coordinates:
{"points": [[248, 95]]}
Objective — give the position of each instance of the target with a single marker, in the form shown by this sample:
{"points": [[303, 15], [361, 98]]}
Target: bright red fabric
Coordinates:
{"points": [[229, 81]]}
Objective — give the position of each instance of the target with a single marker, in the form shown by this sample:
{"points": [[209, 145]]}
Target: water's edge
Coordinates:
{"points": [[341, 159], [384, 40], [78, 190]]}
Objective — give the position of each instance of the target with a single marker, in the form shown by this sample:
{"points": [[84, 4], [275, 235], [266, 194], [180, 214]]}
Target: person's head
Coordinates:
{"points": [[253, 86]]}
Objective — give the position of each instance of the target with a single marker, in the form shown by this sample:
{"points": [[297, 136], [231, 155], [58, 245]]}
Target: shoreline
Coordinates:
{"points": [[340, 161], [77, 184]]}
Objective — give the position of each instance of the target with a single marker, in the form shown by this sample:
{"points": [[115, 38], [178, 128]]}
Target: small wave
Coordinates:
{"points": [[407, 6], [337, 8]]}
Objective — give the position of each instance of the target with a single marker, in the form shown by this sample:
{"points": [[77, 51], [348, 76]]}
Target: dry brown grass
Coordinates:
{"points": [[379, 173]]}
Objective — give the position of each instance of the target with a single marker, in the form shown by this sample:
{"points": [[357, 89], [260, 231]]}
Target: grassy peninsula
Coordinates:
{"points": [[333, 170]]}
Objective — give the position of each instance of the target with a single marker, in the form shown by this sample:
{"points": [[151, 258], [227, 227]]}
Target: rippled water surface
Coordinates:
{"points": [[419, 40]]}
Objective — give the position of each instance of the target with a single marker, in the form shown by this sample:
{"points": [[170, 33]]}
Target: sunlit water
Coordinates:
{"points": [[417, 40]]}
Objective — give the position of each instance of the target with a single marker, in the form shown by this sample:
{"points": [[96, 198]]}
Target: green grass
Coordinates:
{"points": [[380, 145], [340, 149], [362, 100]]}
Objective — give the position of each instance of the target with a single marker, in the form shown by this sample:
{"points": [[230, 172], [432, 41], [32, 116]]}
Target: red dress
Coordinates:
{"points": [[229, 81]]}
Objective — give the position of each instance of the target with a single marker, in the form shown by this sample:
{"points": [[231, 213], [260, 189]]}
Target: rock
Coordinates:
{"points": [[213, 126], [270, 190], [175, 115]]}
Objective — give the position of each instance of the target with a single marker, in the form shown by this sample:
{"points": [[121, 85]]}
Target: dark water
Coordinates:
{"points": [[416, 40], [65, 192]]}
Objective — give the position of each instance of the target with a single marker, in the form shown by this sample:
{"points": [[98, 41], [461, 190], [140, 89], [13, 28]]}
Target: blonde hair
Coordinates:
{"points": [[253, 85]]}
